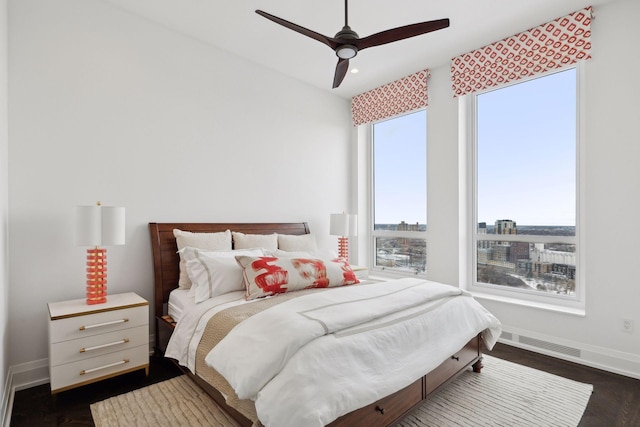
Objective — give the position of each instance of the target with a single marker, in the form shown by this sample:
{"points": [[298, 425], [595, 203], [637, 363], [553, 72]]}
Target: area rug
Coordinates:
{"points": [[504, 394]]}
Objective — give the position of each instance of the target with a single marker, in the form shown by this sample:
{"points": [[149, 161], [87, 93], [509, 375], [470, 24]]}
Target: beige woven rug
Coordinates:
{"points": [[504, 394]]}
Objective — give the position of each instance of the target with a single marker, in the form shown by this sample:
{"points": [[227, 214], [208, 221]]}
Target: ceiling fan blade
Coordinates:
{"points": [[400, 33], [341, 71], [297, 28]]}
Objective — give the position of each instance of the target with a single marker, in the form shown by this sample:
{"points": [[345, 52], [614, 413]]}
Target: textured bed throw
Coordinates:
{"points": [[504, 394]]}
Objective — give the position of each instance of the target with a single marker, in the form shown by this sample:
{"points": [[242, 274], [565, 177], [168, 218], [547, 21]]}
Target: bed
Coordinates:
{"points": [[385, 410]]}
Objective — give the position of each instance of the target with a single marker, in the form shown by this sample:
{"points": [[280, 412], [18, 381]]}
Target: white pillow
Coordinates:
{"points": [[294, 243], [215, 273], [248, 241], [220, 241], [189, 253], [284, 254]]}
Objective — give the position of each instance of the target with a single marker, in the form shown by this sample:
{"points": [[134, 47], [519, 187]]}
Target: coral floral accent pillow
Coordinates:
{"points": [[267, 275]]}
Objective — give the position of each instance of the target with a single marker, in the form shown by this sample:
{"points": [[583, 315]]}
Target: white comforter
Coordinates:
{"points": [[310, 360], [186, 337]]}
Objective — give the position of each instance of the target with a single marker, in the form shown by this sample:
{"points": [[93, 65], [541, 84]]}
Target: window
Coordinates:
{"points": [[526, 187], [399, 207]]}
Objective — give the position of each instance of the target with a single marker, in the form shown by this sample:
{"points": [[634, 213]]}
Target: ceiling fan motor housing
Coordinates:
{"points": [[346, 50]]}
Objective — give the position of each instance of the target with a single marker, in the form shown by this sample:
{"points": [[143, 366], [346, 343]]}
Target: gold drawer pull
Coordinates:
{"points": [[122, 341], [88, 371], [97, 325]]}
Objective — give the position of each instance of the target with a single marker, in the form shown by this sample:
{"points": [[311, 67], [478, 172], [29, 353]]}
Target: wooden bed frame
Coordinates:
{"points": [[385, 412]]}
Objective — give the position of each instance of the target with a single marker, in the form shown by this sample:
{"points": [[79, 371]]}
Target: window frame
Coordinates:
{"points": [[468, 109], [374, 234]]}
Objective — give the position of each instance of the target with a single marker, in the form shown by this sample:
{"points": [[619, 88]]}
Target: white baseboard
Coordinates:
{"points": [[7, 402], [618, 362], [20, 377]]}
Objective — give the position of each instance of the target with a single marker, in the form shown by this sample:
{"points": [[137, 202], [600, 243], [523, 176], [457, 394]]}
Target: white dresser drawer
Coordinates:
{"points": [[98, 323], [85, 371], [96, 345]]}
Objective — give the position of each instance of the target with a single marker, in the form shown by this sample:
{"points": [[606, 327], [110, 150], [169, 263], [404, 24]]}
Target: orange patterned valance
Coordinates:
{"points": [[401, 96], [546, 47]]}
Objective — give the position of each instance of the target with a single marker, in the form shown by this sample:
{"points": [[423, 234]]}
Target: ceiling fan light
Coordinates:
{"points": [[346, 51]]}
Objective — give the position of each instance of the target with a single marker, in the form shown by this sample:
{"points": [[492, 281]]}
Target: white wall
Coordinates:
{"points": [[107, 106], [4, 187], [442, 179], [612, 200]]}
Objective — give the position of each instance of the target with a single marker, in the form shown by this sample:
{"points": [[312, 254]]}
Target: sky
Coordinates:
{"points": [[527, 152], [526, 157], [400, 157]]}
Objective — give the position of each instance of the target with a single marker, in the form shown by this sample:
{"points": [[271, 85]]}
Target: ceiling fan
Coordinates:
{"points": [[346, 43]]}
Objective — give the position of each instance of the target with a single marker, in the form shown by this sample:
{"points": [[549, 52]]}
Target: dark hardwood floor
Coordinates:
{"points": [[615, 401], [35, 407]]}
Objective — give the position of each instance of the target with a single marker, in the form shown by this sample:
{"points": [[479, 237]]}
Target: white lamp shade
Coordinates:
{"points": [[88, 226], [339, 225], [112, 225], [343, 225], [100, 225]]}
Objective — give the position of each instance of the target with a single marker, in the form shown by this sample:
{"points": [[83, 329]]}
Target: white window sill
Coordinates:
{"points": [[574, 311], [377, 275], [385, 276]]}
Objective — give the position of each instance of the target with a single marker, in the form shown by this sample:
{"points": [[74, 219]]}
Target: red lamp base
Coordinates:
{"points": [[96, 276], [343, 247]]}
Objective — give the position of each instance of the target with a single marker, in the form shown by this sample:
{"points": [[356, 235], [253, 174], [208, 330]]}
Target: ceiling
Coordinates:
{"points": [[234, 26]]}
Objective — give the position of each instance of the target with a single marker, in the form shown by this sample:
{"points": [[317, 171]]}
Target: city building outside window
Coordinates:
{"points": [[526, 187], [399, 202]]}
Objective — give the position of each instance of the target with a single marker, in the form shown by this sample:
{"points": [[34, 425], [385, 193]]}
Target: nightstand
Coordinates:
{"points": [[89, 343], [362, 273]]}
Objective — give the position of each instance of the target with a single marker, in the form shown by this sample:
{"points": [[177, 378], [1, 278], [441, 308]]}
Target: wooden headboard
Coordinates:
{"points": [[166, 259]]}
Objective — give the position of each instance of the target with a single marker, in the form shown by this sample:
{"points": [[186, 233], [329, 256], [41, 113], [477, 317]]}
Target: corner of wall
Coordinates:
{"points": [[4, 207]]}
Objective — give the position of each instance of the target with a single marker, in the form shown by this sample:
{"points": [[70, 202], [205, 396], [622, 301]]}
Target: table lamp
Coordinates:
{"points": [[97, 226], [343, 225]]}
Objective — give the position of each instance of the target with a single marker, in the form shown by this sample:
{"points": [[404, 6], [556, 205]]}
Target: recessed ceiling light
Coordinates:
{"points": [[354, 71]]}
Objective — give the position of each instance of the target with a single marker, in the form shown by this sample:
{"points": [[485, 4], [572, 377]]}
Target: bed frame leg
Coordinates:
{"points": [[477, 367]]}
